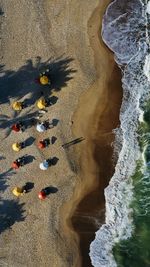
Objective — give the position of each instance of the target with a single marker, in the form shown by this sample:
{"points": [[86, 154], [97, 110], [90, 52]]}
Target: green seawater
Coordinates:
{"points": [[135, 251]]}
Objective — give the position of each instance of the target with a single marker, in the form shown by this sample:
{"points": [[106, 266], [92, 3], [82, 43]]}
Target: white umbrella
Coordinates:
{"points": [[40, 128], [44, 165]]}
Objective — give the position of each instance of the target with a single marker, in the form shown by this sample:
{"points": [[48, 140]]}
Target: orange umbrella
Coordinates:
{"points": [[15, 128], [42, 195], [41, 144], [15, 165]]}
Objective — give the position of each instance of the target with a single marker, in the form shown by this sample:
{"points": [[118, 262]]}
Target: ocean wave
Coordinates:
{"points": [[120, 32]]}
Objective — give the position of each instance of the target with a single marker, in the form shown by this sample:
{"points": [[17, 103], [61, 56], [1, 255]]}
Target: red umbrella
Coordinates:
{"points": [[15, 165], [41, 145], [42, 194], [15, 128]]}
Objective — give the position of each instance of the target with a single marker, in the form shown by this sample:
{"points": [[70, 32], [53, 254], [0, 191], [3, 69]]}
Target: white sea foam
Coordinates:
{"points": [[147, 67], [148, 8], [125, 32], [141, 115]]}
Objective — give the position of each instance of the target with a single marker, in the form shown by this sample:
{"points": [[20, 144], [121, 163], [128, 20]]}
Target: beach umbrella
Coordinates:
{"points": [[42, 194], [40, 127], [17, 105], [15, 165], [41, 103], [44, 80], [16, 147], [41, 144], [44, 165], [15, 128], [18, 191]]}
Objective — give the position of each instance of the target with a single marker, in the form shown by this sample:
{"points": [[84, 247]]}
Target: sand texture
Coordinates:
{"points": [[63, 36]]}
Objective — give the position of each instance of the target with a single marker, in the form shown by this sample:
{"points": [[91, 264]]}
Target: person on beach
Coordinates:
{"points": [[18, 105], [19, 191], [18, 146], [18, 127], [18, 163]]}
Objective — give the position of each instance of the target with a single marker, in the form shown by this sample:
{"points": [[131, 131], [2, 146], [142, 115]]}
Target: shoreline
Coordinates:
{"points": [[89, 152], [54, 41]]}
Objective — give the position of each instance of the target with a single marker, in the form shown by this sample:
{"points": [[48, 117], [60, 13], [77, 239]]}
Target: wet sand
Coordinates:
{"points": [[97, 166], [90, 212], [53, 34]]}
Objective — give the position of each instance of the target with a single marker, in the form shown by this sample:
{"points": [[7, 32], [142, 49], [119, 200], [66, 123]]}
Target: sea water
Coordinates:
{"points": [[124, 239]]}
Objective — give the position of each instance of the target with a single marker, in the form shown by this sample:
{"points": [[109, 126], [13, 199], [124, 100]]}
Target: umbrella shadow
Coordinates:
{"points": [[52, 100], [50, 190], [53, 123], [21, 85], [61, 73], [53, 161], [28, 120], [18, 84], [28, 187], [28, 159], [11, 211], [1, 12], [29, 141], [53, 140], [2, 157], [3, 179]]}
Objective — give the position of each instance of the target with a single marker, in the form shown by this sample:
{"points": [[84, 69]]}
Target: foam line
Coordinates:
{"points": [[120, 32]]}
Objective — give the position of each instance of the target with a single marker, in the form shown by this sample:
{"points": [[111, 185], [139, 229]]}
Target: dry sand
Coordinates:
{"points": [[63, 36]]}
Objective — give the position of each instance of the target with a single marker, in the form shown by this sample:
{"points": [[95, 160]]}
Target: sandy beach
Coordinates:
{"points": [[64, 37]]}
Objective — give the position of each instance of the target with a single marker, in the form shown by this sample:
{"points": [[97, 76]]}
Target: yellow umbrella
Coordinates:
{"points": [[41, 103], [17, 105], [18, 191], [44, 80], [16, 147]]}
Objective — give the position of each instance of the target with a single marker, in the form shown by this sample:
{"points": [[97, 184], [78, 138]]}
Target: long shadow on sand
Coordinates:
{"points": [[11, 211], [73, 142], [29, 141], [18, 84], [28, 159], [28, 120], [21, 85], [3, 179], [50, 190]]}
